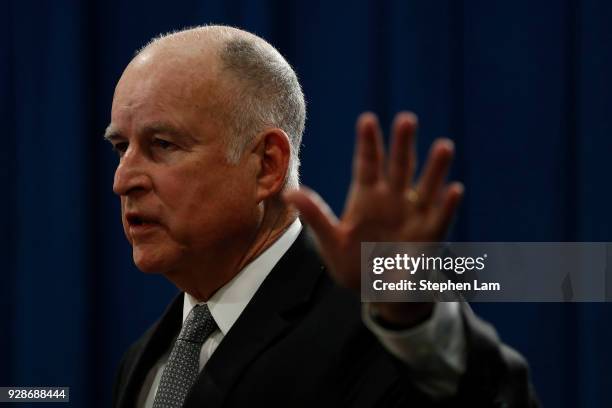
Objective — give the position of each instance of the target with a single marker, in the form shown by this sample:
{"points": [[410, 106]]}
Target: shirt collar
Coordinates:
{"points": [[227, 303]]}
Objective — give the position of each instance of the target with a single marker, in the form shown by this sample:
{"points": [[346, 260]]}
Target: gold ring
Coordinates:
{"points": [[413, 196]]}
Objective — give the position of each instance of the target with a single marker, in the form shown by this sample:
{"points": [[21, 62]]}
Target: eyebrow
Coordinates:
{"points": [[166, 129], [111, 133]]}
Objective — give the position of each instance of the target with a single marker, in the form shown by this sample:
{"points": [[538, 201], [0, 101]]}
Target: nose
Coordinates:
{"points": [[131, 175]]}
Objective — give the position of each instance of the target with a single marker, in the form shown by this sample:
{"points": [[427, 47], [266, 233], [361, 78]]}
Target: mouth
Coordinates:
{"points": [[140, 224]]}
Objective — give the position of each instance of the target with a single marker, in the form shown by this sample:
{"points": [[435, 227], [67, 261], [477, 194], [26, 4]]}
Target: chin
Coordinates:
{"points": [[148, 268], [152, 262]]}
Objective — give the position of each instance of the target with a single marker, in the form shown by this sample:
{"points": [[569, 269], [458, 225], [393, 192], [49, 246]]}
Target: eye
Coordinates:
{"points": [[120, 148], [162, 144]]}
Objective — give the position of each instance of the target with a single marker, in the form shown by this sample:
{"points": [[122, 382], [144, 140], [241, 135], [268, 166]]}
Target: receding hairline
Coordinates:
{"points": [[218, 42], [198, 44]]}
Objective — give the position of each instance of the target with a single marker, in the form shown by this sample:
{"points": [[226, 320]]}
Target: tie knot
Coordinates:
{"points": [[198, 325]]}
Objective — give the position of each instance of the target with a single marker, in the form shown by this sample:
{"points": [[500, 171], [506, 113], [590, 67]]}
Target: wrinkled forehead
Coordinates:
{"points": [[185, 73], [171, 81]]}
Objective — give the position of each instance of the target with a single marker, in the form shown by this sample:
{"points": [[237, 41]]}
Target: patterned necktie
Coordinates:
{"points": [[182, 367]]}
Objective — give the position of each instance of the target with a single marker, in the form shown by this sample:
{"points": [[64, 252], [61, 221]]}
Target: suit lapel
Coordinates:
{"points": [[265, 319], [156, 342]]}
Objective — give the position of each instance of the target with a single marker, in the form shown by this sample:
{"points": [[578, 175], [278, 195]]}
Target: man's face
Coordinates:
{"points": [[182, 203]]}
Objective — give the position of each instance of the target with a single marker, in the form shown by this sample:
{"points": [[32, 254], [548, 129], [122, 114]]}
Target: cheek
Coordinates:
{"points": [[214, 204]]}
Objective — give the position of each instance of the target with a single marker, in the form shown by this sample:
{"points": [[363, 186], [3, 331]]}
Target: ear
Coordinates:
{"points": [[273, 151]]}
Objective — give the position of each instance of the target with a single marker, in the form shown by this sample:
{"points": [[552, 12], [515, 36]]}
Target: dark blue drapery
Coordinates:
{"points": [[523, 87]]}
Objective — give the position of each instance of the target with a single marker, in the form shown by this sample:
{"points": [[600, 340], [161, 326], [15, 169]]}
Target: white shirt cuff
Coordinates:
{"points": [[435, 350]]}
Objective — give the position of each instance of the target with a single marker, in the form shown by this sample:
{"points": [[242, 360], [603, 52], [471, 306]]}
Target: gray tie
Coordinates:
{"points": [[182, 367]]}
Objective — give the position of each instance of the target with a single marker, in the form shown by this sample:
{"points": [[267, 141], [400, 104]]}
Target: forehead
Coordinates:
{"points": [[169, 85]]}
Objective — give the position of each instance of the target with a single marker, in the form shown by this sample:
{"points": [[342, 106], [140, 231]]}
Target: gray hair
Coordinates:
{"points": [[265, 91]]}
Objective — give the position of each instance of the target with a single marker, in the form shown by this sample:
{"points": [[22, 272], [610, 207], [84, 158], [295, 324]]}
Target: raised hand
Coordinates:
{"points": [[383, 204]]}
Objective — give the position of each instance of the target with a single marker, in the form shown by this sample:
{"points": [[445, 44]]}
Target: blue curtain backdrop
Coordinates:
{"points": [[523, 87]]}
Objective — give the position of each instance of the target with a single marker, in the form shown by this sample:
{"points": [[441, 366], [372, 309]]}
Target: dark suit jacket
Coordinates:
{"points": [[301, 342]]}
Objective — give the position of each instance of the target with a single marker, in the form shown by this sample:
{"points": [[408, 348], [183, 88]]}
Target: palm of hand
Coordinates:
{"points": [[383, 204]]}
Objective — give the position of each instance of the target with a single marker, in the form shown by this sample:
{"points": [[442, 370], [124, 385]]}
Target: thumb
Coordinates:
{"points": [[316, 213]]}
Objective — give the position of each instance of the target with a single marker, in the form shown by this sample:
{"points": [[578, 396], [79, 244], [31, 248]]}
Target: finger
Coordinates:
{"points": [[402, 161], [452, 196], [369, 151], [435, 171], [316, 213]]}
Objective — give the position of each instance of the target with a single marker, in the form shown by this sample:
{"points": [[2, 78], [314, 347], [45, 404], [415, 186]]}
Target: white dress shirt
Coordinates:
{"points": [[435, 348]]}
